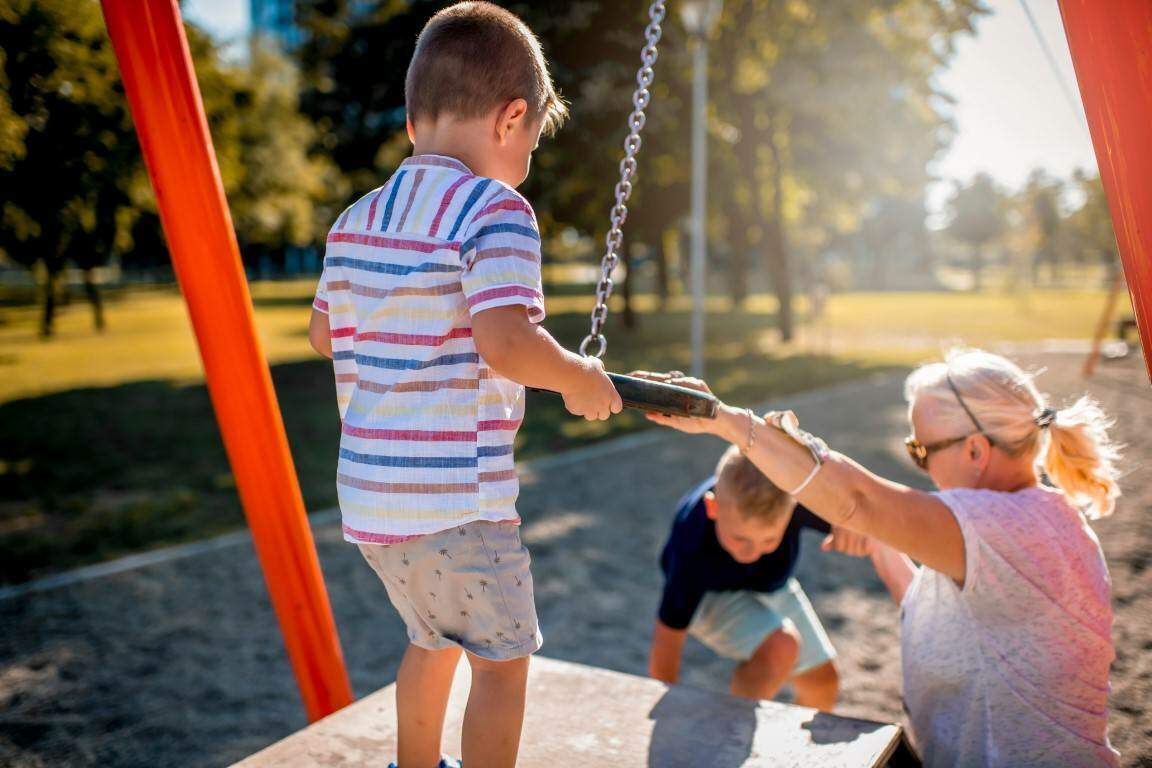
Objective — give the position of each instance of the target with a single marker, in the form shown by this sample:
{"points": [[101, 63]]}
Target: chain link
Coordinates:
{"points": [[641, 97]]}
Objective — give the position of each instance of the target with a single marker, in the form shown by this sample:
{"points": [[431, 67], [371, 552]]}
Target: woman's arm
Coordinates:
{"points": [[895, 569], [667, 649], [842, 492]]}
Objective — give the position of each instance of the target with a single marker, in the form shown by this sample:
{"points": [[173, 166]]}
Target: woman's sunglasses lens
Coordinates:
{"points": [[916, 452]]}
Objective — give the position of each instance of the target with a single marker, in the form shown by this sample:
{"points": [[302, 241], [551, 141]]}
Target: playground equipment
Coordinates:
{"points": [[1112, 52], [586, 716], [156, 67], [637, 393], [1102, 327]]}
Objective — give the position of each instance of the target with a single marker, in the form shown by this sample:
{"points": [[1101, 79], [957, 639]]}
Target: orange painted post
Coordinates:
{"points": [[1111, 45], [156, 66]]}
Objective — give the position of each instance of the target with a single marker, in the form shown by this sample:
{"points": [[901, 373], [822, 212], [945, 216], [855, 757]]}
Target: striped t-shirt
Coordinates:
{"points": [[428, 427]]}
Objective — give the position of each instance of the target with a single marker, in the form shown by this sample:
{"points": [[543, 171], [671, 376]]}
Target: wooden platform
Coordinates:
{"points": [[584, 716]]}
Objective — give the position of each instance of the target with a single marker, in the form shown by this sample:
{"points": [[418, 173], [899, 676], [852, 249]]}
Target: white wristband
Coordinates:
{"points": [[800, 488]]}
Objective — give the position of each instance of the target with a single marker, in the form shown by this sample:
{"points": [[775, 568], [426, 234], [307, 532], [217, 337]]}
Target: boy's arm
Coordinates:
{"points": [[522, 351], [667, 650], [318, 333]]}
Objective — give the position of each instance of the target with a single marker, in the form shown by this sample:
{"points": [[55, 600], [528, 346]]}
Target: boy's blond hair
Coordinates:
{"points": [[754, 495], [475, 56]]}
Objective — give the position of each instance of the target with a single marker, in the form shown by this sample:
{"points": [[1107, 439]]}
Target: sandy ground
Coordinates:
{"points": [[182, 663]]}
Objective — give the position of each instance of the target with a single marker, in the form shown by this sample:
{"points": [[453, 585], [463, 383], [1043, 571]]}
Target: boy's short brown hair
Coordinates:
{"points": [[474, 56], [754, 495]]}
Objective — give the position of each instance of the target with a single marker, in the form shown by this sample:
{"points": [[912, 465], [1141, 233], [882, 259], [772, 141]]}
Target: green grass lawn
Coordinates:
{"points": [[108, 444]]}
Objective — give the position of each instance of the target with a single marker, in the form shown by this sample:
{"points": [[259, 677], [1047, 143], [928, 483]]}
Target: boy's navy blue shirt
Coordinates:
{"points": [[694, 562]]}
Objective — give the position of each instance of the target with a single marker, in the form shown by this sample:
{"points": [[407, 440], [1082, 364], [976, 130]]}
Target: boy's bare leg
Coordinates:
{"points": [[422, 688], [495, 713], [761, 676], [818, 687]]}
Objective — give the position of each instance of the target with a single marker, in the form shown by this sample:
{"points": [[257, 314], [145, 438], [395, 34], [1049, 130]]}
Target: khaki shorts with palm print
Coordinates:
{"points": [[469, 586]]}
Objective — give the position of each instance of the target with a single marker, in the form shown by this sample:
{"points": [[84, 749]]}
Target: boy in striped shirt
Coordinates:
{"points": [[429, 306]]}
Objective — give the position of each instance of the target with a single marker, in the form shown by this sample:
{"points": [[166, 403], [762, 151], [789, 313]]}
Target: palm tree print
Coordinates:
{"points": [[516, 624], [403, 581], [461, 531], [465, 614], [431, 615], [446, 553], [468, 594], [439, 574], [519, 582], [404, 558], [497, 558], [500, 635], [483, 585], [433, 596]]}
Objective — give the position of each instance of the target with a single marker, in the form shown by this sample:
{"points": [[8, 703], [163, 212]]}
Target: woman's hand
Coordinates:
{"points": [[692, 426]]}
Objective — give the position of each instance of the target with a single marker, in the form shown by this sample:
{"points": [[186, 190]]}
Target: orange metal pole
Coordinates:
{"points": [[156, 66], [1111, 45]]}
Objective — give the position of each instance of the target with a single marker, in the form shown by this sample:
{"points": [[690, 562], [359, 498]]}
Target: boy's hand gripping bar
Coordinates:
{"points": [[658, 397]]}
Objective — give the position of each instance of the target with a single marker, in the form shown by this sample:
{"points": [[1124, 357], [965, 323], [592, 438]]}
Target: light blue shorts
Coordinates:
{"points": [[735, 624]]}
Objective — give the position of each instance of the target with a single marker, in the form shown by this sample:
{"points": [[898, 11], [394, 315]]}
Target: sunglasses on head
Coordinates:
{"points": [[919, 452]]}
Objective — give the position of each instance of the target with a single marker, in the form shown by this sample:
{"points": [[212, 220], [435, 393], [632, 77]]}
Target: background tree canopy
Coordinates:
{"points": [[823, 118]]}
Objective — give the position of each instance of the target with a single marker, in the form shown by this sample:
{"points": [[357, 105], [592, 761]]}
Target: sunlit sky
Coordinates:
{"points": [[1010, 113]]}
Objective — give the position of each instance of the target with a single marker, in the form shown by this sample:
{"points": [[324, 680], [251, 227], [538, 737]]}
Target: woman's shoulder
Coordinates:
{"points": [[1012, 517], [984, 500]]}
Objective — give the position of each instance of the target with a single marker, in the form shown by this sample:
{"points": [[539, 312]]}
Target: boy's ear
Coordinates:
{"points": [[510, 117], [710, 505], [411, 130]]}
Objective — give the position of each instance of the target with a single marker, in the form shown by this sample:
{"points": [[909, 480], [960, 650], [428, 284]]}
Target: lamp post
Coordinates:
{"points": [[700, 18]]}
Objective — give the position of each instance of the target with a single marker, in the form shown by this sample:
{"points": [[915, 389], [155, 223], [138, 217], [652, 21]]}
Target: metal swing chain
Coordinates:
{"points": [[640, 98]]}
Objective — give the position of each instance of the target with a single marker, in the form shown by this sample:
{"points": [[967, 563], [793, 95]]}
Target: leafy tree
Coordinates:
{"points": [[67, 155], [800, 83], [70, 165], [282, 193], [818, 107], [1041, 195], [977, 217], [1091, 223]]}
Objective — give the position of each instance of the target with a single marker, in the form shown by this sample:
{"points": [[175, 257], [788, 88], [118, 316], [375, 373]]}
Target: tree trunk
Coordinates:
{"points": [[661, 255], [92, 291], [977, 265], [47, 321], [738, 266], [746, 148], [629, 314], [776, 250]]}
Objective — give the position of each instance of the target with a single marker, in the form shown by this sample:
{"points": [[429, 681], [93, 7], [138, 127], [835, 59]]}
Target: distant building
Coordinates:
{"points": [[276, 20]]}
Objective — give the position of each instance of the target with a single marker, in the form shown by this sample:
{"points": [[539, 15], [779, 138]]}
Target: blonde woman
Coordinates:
{"points": [[1006, 624]]}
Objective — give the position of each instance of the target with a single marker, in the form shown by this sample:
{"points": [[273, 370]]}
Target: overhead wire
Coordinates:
{"points": [[1073, 102]]}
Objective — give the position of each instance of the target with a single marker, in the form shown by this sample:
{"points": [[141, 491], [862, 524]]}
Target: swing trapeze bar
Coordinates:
{"points": [[659, 397]]}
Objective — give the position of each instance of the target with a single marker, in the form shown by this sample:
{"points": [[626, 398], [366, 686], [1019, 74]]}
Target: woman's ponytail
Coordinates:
{"points": [[1080, 458]]}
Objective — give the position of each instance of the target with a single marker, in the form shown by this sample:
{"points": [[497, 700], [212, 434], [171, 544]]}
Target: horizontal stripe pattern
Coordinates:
{"points": [[427, 427]]}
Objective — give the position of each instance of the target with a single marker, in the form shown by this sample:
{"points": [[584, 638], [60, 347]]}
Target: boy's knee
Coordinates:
{"points": [[780, 647], [818, 687], [825, 675], [499, 668]]}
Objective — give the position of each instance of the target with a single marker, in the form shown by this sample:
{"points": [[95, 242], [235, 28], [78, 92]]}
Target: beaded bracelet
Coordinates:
{"points": [[751, 431]]}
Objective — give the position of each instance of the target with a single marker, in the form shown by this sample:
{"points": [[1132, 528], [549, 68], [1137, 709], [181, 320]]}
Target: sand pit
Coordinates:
{"points": [[181, 663]]}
